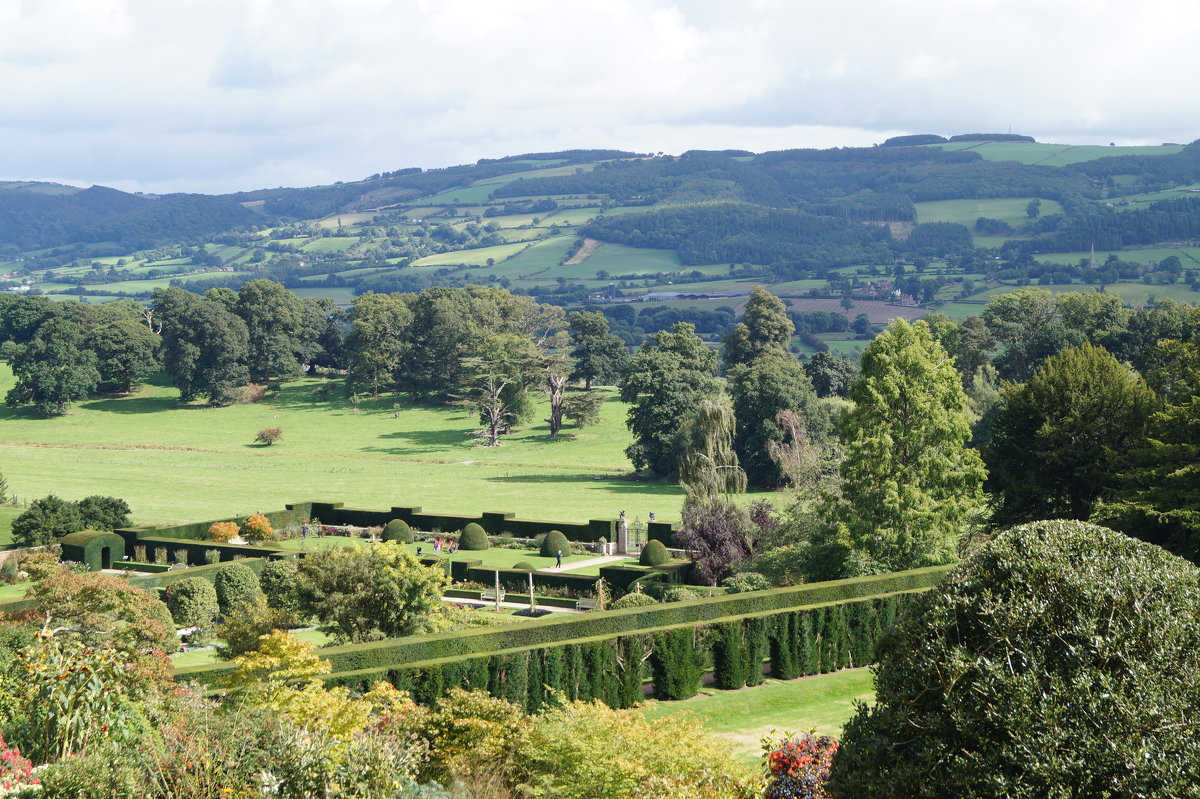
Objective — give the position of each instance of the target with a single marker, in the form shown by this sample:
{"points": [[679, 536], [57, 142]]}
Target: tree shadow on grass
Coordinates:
{"points": [[578, 480], [423, 440], [129, 405]]}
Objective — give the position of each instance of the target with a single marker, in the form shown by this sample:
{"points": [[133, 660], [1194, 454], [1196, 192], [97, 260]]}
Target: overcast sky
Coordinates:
{"points": [[225, 95]]}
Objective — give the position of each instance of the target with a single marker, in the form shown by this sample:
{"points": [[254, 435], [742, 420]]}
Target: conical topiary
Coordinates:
{"points": [[553, 543], [473, 537], [654, 553], [398, 530]]}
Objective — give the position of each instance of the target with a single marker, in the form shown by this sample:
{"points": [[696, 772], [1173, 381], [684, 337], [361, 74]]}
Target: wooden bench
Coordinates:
{"points": [[585, 604], [489, 595]]}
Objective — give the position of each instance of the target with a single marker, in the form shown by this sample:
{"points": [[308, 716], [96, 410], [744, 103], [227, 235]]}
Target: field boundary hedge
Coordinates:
{"points": [[553, 630]]}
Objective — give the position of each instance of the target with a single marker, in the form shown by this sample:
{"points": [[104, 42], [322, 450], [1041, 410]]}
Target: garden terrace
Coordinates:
{"points": [[395, 655]]}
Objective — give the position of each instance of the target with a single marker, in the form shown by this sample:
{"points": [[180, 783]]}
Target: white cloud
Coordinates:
{"points": [[218, 95]]}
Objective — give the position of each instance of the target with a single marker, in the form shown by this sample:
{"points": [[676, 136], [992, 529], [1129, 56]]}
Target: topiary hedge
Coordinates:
{"points": [[753, 609], [654, 554], [553, 543], [634, 600], [192, 602], [473, 537], [235, 584], [524, 566], [398, 530]]}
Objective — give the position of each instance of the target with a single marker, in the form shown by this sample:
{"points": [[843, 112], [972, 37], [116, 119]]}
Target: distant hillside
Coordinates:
{"points": [[32, 217]]}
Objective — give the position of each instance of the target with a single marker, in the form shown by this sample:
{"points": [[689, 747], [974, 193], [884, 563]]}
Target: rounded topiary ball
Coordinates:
{"points": [[398, 530], [192, 602], [553, 543], [236, 584], [654, 554], [473, 537], [524, 566], [680, 593], [634, 600]]}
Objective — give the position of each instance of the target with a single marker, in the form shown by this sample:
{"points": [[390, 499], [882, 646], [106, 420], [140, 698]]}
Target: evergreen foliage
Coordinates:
{"points": [[1059, 440], [473, 537], [1002, 681], [553, 543], [654, 553], [192, 602], [236, 584], [911, 487], [398, 530]]}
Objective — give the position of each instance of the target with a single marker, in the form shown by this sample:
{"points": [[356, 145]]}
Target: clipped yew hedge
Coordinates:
{"points": [[754, 609], [618, 672]]}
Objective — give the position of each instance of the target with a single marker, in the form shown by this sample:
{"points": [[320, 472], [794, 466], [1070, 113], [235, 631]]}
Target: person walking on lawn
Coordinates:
{"points": [[558, 559]]}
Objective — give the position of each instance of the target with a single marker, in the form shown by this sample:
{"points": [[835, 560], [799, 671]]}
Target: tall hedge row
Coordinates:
{"points": [[617, 670], [558, 628]]}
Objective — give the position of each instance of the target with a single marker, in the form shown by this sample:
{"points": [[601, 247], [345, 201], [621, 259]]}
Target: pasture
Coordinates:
{"points": [[1052, 154], [822, 703], [174, 463], [965, 212]]}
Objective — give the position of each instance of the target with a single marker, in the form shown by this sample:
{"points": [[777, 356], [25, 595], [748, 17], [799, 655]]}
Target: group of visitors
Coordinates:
{"points": [[450, 546]]}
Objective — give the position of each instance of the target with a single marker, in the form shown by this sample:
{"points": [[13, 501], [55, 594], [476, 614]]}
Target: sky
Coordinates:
{"points": [[227, 95]]}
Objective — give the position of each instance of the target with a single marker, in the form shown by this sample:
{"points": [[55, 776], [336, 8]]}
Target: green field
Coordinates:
{"points": [[617, 259], [965, 212], [175, 463], [1132, 294], [7, 514], [474, 257], [1053, 154], [822, 704]]}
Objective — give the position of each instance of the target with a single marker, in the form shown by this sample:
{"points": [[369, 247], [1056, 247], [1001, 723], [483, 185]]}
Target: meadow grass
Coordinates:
{"points": [[965, 212], [331, 244], [1132, 294], [177, 463], [618, 259], [475, 256], [7, 514], [1052, 154], [822, 703]]}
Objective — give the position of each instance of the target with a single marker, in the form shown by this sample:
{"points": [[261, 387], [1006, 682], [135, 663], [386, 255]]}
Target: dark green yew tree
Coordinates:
{"points": [[1059, 440]]}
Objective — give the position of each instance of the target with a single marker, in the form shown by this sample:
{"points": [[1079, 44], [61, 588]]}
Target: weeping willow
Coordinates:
{"points": [[708, 466]]}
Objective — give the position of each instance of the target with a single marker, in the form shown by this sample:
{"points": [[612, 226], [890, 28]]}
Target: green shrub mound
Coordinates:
{"points": [[398, 530], [473, 537], [236, 584], [553, 543], [746, 581], [634, 600], [654, 554], [1063, 659], [524, 566], [192, 602], [680, 593]]}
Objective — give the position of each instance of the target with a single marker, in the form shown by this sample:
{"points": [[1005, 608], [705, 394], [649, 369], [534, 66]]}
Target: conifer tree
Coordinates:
{"points": [[910, 484]]}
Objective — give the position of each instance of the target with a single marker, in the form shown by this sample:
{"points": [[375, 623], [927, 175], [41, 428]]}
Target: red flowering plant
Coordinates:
{"points": [[797, 766], [16, 772]]}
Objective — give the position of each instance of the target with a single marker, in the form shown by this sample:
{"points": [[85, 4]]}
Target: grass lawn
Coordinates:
{"points": [[965, 212], [822, 703], [7, 514], [174, 463], [14, 591]]}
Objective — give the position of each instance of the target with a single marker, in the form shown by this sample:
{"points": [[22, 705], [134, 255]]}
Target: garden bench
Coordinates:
{"points": [[489, 595], [585, 604]]}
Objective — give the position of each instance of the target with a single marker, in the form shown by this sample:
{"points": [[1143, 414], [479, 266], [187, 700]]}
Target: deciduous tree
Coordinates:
{"points": [[910, 486]]}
